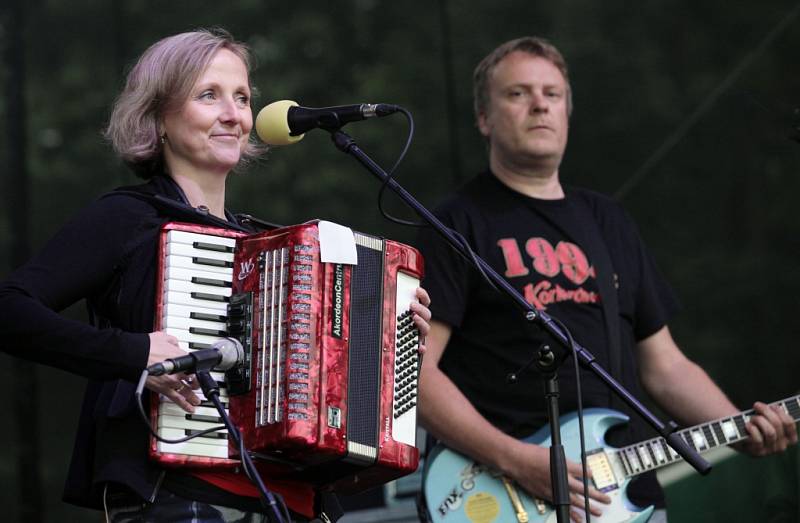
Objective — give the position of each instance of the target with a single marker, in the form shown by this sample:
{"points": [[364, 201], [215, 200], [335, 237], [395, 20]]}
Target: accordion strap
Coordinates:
{"points": [[182, 211]]}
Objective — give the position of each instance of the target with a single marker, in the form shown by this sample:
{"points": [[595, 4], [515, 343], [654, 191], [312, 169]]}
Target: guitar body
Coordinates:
{"points": [[459, 490]]}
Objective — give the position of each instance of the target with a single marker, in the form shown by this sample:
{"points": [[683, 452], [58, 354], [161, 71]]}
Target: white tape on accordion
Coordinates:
{"points": [[336, 244]]}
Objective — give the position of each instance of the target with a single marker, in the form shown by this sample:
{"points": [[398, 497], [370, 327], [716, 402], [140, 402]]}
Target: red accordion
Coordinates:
{"points": [[328, 392]]}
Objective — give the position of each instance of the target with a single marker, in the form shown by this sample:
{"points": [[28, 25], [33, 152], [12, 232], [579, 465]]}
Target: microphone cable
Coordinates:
{"points": [[269, 500], [579, 398], [390, 174], [146, 418]]}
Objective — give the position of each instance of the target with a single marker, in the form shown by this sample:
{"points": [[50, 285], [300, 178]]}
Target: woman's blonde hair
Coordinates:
{"points": [[160, 82]]}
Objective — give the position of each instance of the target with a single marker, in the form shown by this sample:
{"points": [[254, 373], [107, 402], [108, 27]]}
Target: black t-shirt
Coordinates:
{"points": [[534, 244]]}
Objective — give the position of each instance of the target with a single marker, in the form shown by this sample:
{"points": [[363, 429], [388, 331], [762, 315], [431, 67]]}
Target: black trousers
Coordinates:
{"points": [[124, 506]]}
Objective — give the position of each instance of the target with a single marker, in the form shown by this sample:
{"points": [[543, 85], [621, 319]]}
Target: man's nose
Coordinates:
{"points": [[539, 103]]}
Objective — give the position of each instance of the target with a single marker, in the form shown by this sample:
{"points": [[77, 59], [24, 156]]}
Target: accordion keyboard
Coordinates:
{"points": [[198, 271]]}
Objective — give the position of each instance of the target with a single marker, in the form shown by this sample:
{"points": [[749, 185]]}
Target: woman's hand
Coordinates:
{"points": [[177, 387], [422, 316]]}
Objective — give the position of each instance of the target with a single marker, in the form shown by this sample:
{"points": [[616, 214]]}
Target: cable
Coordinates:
{"points": [[585, 478], [270, 502], [390, 174], [146, 419]]}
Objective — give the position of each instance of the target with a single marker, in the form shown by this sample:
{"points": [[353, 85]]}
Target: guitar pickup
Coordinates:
{"points": [[602, 472]]}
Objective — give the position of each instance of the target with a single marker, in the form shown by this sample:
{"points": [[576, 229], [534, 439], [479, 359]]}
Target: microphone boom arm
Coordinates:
{"points": [[347, 145]]}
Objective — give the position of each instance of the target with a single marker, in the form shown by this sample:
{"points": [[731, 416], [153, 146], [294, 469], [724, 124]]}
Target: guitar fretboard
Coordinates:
{"points": [[652, 454]]}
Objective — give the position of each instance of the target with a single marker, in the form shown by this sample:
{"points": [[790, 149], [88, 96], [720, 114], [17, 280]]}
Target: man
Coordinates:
{"points": [[538, 235]]}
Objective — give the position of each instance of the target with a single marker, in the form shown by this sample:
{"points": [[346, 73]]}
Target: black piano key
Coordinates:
{"points": [[209, 297], [207, 317], [210, 435], [202, 417], [210, 404], [208, 332], [195, 345], [211, 282], [212, 247], [212, 262]]}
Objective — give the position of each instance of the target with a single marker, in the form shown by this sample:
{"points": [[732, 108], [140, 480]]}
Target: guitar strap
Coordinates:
{"points": [[589, 235], [585, 231]]}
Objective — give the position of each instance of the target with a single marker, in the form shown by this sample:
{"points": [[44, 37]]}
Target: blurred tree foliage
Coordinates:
{"points": [[691, 100]]}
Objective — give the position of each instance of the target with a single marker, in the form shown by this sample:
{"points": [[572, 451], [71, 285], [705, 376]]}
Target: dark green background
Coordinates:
{"points": [[684, 109]]}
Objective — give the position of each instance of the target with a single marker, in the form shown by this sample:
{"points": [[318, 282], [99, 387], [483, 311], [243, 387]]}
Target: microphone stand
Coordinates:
{"points": [[347, 145], [210, 389], [547, 363]]}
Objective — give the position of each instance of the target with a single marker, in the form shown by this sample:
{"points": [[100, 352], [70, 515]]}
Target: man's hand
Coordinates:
{"points": [[178, 387], [532, 473], [771, 430], [422, 316]]}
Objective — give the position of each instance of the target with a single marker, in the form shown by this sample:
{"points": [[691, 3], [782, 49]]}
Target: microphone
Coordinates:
{"points": [[223, 355], [284, 122]]}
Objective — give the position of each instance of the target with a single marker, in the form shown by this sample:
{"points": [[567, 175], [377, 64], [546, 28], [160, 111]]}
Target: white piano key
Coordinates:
{"points": [[182, 249], [179, 273], [184, 323], [187, 286], [175, 433], [186, 262], [192, 237], [167, 408], [223, 396], [185, 311], [184, 298], [180, 422], [185, 336], [194, 449]]}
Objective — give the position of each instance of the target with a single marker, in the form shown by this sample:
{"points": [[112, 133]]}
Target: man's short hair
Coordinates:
{"points": [[532, 45]]}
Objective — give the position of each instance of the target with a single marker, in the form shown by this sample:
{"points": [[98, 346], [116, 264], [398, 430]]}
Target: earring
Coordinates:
{"points": [[163, 138]]}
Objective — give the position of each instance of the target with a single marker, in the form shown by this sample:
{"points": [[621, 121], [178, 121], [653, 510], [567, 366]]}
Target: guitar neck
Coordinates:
{"points": [[655, 453]]}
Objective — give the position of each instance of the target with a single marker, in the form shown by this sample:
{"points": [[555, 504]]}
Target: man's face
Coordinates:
{"points": [[526, 120]]}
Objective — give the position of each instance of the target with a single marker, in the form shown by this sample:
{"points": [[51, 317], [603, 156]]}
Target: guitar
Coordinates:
{"points": [[459, 490]]}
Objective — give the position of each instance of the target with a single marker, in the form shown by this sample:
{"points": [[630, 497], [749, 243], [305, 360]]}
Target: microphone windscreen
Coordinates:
{"points": [[231, 353], [272, 124]]}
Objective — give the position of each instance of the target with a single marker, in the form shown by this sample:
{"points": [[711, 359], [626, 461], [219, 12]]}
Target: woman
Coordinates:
{"points": [[183, 123]]}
